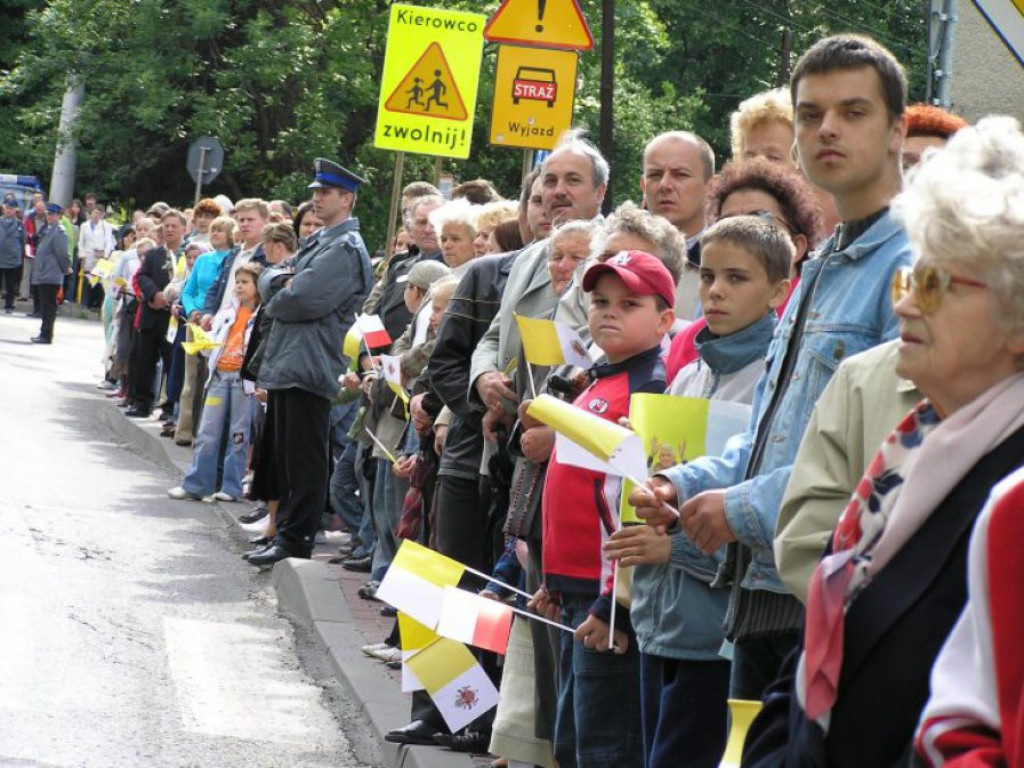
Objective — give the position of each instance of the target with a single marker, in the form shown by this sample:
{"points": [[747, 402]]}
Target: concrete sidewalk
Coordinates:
{"points": [[321, 597]]}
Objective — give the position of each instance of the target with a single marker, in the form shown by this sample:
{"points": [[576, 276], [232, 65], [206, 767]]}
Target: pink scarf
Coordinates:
{"points": [[926, 458]]}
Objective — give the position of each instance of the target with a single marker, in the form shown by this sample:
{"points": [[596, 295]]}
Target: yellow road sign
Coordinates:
{"points": [[429, 84], [534, 90], [544, 23], [1006, 17]]}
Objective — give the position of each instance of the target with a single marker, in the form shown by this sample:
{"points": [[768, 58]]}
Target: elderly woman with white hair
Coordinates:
{"points": [[893, 579], [456, 223]]}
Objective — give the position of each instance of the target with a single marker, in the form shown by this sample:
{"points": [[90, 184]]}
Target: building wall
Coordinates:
{"points": [[987, 79]]}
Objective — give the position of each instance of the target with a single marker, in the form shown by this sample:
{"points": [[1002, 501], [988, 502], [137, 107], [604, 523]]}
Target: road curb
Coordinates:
{"points": [[309, 594]]}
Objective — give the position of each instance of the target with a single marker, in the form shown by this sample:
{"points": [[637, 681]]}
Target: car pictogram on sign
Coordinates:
{"points": [[535, 84]]}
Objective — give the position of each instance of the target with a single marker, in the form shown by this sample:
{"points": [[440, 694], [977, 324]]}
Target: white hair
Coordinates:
{"points": [[459, 211], [965, 204]]}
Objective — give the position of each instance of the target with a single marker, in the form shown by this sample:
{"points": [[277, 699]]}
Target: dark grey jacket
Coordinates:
{"points": [[52, 261], [312, 314], [12, 243]]}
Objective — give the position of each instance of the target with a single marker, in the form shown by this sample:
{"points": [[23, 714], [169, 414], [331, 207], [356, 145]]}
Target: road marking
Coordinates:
{"points": [[231, 681]]}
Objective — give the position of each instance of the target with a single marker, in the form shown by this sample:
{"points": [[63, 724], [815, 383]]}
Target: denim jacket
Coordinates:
{"points": [[850, 310]]}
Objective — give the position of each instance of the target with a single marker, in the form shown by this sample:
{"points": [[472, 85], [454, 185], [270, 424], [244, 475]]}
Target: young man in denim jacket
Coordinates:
{"points": [[849, 96]]}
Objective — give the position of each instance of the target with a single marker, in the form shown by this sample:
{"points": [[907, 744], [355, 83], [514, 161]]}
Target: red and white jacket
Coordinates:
{"points": [[580, 506], [975, 716]]}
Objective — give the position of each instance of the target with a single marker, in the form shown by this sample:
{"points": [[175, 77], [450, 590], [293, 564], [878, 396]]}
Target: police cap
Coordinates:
{"points": [[330, 174]]}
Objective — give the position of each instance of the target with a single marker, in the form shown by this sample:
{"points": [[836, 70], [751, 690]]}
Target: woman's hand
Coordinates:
{"points": [[638, 545], [405, 465]]}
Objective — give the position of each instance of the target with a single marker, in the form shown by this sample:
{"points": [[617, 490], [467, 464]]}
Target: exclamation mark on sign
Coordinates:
{"points": [[540, 14]]}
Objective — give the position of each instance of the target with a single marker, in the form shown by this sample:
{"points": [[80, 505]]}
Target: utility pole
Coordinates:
{"points": [[607, 119], [65, 161], [942, 40]]}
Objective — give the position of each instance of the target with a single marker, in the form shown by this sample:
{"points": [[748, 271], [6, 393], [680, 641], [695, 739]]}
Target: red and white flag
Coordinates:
{"points": [[374, 333], [475, 620]]}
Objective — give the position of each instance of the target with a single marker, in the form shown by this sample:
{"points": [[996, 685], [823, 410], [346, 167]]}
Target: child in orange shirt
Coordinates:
{"points": [[227, 412]]}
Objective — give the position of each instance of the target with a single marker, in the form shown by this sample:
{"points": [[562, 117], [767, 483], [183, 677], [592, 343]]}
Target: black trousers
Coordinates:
{"points": [[10, 279], [152, 347], [47, 308], [461, 529], [297, 430]]}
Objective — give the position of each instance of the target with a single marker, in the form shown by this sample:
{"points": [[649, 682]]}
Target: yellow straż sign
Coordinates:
{"points": [[429, 83], [534, 90]]}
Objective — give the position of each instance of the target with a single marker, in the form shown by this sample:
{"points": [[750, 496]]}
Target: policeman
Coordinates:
{"points": [[312, 302], [51, 265], [12, 250]]}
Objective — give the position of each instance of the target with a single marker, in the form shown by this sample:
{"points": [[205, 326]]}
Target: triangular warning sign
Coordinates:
{"points": [[543, 23], [429, 89]]}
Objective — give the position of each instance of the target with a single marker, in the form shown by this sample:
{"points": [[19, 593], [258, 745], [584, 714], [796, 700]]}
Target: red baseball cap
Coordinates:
{"points": [[642, 273]]}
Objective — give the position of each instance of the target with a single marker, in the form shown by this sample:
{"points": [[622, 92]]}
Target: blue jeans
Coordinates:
{"points": [[685, 711], [598, 720], [388, 497], [344, 491], [223, 437]]}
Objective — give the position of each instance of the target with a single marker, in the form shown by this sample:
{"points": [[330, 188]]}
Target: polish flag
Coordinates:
{"points": [[472, 619], [374, 333]]}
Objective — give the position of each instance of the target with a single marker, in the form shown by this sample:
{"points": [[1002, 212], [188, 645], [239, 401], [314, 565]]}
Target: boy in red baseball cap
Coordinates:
{"points": [[598, 721]]}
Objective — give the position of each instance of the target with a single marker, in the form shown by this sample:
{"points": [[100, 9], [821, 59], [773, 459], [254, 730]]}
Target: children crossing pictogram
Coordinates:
{"points": [[429, 88]]}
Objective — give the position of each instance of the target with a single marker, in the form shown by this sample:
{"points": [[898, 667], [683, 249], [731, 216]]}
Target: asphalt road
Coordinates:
{"points": [[131, 634]]}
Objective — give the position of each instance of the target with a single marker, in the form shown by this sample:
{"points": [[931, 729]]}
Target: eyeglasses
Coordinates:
{"points": [[929, 284]]}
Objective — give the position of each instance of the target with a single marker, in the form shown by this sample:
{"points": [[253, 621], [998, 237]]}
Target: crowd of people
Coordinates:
{"points": [[845, 560]]}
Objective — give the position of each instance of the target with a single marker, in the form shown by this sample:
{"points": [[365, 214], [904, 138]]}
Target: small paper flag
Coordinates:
{"points": [[415, 637], [550, 342], [374, 333], [457, 684], [392, 367], [201, 341], [472, 619], [415, 581], [742, 714], [583, 437]]}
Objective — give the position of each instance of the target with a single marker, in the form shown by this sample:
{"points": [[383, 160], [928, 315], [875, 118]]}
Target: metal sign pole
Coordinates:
{"points": [[527, 164], [396, 194], [199, 175]]}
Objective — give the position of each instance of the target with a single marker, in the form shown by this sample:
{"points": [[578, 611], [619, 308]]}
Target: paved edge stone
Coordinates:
{"points": [[309, 595], [305, 590]]}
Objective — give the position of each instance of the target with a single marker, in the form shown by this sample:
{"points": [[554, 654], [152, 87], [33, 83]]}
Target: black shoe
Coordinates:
{"points": [[360, 565], [416, 732], [41, 340], [258, 550], [389, 611], [465, 741], [254, 517], [393, 664], [166, 415], [134, 412], [275, 553], [261, 541]]}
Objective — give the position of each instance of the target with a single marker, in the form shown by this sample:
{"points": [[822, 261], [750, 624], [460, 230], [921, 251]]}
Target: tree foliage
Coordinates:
{"points": [[282, 81]]}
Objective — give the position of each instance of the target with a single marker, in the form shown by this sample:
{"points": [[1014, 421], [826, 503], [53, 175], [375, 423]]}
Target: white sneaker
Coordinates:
{"points": [[370, 649], [389, 654], [180, 494], [221, 496], [259, 527]]}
